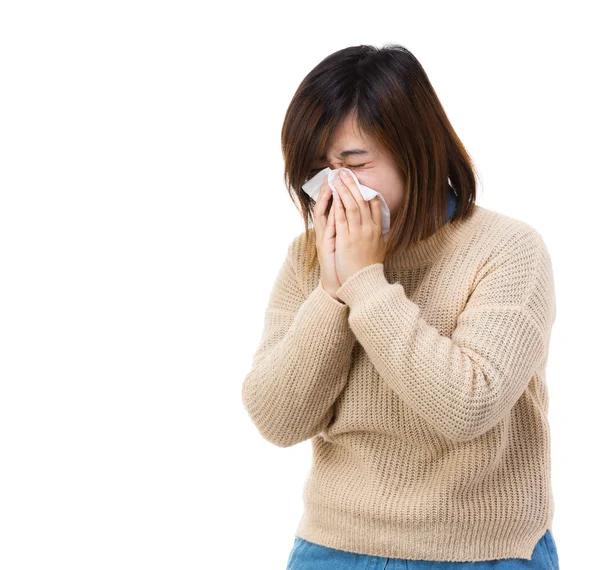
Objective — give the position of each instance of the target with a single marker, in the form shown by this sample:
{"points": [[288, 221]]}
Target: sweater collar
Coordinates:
{"points": [[430, 248]]}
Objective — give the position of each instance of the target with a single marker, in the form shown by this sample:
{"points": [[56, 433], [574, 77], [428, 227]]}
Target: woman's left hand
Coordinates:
{"points": [[359, 241]]}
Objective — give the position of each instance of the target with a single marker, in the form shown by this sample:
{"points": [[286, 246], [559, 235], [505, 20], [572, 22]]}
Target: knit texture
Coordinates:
{"points": [[424, 396]]}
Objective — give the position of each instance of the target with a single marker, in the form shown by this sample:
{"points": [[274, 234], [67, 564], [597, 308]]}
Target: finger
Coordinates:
{"points": [[323, 199], [363, 205], [352, 211], [376, 215], [330, 228], [320, 208], [341, 221]]}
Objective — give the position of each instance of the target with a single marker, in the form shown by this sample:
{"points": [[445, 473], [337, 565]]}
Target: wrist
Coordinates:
{"points": [[333, 295]]}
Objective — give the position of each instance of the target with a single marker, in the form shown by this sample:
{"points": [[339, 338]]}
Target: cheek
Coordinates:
{"points": [[392, 196], [392, 199], [388, 186]]}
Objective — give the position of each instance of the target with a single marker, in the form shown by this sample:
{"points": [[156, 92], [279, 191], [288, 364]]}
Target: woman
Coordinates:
{"points": [[414, 363]]}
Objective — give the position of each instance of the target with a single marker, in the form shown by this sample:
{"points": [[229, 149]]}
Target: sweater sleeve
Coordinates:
{"points": [[302, 361], [466, 384]]}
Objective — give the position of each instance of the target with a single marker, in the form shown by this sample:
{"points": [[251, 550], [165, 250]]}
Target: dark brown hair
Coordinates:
{"points": [[394, 103]]}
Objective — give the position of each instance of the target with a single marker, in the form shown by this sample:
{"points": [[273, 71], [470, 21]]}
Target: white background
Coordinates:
{"points": [[143, 218]]}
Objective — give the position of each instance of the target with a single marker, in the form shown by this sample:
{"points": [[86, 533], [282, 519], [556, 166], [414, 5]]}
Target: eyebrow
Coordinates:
{"points": [[351, 152]]}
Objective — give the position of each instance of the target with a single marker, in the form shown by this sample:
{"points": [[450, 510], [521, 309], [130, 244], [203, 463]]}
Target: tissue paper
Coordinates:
{"points": [[313, 188]]}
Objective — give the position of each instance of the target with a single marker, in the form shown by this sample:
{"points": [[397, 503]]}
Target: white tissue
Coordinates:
{"points": [[313, 188]]}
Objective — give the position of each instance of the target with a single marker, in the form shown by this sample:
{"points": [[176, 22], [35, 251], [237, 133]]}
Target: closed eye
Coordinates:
{"points": [[349, 166]]}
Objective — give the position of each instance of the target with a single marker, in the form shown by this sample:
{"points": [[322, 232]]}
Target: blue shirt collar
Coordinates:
{"points": [[451, 203]]}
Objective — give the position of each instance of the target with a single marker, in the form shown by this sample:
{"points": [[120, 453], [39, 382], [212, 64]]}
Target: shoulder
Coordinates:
{"points": [[506, 236], [299, 243], [298, 258], [299, 247], [514, 265]]}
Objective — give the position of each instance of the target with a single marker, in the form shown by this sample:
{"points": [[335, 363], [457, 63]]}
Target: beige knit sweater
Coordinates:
{"points": [[424, 395]]}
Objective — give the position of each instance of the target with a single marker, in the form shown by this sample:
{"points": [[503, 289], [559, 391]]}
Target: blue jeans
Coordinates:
{"points": [[307, 555]]}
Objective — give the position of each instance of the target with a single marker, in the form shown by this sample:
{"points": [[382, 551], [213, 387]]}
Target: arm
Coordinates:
{"points": [[302, 361], [466, 384]]}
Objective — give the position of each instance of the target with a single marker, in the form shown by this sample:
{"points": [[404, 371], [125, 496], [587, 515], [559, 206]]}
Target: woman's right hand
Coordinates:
{"points": [[324, 225]]}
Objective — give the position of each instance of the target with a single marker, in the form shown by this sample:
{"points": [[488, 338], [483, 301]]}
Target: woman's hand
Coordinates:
{"points": [[359, 240], [325, 240]]}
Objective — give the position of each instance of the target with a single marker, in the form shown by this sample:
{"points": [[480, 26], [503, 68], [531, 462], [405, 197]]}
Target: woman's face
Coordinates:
{"points": [[372, 167]]}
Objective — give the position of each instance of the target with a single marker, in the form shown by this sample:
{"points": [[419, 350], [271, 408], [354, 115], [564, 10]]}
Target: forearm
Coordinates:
{"points": [[295, 379], [462, 385]]}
